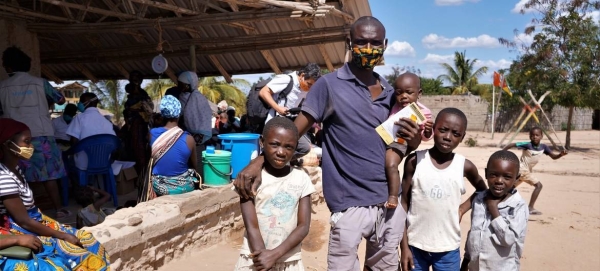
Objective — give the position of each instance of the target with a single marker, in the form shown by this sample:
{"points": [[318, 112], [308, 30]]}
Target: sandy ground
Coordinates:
{"points": [[565, 237]]}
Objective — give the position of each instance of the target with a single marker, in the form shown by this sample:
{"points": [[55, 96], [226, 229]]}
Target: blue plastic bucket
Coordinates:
{"points": [[243, 148]]}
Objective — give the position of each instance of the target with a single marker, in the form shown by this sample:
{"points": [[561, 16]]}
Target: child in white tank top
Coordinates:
{"points": [[432, 186]]}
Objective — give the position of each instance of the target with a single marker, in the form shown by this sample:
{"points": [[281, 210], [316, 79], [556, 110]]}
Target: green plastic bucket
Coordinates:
{"points": [[217, 168]]}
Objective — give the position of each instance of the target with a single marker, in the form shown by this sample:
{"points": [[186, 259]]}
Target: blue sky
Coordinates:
{"points": [[425, 33]]}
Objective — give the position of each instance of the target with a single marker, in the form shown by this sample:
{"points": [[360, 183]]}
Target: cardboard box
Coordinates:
{"points": [[126, 180]]}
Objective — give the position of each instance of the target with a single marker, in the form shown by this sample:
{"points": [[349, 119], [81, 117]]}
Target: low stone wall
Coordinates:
{"points": [[158, 231]]}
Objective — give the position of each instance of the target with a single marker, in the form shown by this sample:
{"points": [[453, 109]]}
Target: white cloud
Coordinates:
{"points": [[437, 59], [401, 49], [434, 41], [521, 6], [494, 65], [453, 2]]}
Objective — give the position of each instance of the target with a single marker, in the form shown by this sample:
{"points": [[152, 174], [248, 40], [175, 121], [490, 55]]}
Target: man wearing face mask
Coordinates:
{"points": [[302, 79], [27, 98], [61, 124], [88, 123], [350, 103]]}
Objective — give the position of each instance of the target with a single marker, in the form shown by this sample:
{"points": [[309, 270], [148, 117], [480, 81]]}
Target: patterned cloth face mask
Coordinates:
{"points": [[367, 58]]}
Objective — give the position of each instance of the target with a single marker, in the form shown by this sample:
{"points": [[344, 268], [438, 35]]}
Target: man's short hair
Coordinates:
{"points": [[16, 59], [311, 71], [87, 96]]}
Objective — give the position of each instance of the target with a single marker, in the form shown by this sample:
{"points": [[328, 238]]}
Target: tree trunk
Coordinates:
{"points": [[569, 126]]}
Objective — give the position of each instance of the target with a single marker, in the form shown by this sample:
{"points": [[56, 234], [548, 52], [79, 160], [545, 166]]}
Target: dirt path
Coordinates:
{"points": [[565, 237]]}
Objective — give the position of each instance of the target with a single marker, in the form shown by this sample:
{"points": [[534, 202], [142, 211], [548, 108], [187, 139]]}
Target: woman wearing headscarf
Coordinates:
{"points": [[64, 246], [173, 156]]}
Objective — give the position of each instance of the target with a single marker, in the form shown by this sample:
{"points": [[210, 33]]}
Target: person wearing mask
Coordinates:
{"points": [[196, 114], [61, 124], [27, 99], [89, 123]]}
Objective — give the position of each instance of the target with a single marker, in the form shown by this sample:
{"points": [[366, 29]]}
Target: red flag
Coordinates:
{"points": [[497, 81]]}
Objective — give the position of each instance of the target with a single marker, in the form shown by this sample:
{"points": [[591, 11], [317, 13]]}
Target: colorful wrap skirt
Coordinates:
{"points": [[180, 184], [59, 254]]}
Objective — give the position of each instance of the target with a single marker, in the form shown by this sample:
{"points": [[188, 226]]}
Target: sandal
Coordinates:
{"points": [[62, 213], [535, 212]]}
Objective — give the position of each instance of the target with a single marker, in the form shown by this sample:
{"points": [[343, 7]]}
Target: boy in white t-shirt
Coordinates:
{"points": [[432, 186], [278, 218]]}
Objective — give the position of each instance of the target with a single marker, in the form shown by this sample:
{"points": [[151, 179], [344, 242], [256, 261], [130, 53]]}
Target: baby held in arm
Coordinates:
{"points": [[407, 89]]}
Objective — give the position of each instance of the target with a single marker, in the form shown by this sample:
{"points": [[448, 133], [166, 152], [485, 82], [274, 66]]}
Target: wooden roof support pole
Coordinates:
{"points": [[213, 59], [28, 13], [326, 57], [271, 61], [171, 75], [311, 24], [82, 13], [50, 75], [166, 6], [86, 72], [122, 70], [172, 3], [344, 7], [90, 9], [213, 6]]}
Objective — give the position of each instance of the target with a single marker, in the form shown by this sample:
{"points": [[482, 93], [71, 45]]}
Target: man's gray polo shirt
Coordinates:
{"points": [[353, 153]]}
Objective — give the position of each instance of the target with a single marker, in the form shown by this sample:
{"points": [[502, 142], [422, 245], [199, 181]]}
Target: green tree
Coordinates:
{"points": [[111, 95], [397, 71], [564, 56], [432, 86], [157, 88], [463, 75], [216, 90]]}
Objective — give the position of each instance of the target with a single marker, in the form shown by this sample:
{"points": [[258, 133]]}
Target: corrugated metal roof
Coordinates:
{"points": [[102, 52]]}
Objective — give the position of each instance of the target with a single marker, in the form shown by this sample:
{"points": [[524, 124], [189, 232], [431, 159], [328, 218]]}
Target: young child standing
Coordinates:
{"points": [[498, 219], [432, 186], [278, 218], [407, 90], [532, 152]]}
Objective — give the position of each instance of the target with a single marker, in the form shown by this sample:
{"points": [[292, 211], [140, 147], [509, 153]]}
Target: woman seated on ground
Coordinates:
{"points": [[73, 249], [173, 153]]}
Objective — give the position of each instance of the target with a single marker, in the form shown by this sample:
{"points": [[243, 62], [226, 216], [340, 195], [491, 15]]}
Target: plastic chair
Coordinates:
{"points": [[99, 149]]}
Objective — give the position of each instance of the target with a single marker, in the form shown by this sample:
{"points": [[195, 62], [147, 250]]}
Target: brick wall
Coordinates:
{"points": [[473, 106]]}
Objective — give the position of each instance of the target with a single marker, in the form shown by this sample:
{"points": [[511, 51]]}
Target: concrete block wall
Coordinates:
{"points": [[582, 118], [156, 232], [14, 32], [473, 106]]}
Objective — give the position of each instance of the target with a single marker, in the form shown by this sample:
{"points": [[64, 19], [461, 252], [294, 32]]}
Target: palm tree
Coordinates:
{"points": [[216, 90], [157, 88], [111, 95], [463, 75]]}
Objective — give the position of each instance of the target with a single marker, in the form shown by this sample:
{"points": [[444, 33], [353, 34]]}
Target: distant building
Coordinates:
{"points": [[72, 93]]}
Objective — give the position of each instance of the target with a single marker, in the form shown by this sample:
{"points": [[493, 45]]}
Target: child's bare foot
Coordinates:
{"points": [[392, 202]]}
